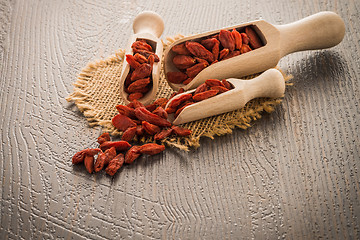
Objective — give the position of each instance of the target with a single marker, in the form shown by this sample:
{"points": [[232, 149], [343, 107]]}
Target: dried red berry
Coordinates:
{"points": [[227, 40], [132, 154], [129, 134], [182, 132], [176, 77], [199, 51], [163, 134], [150, 129], [204, 95], [115, 164], [103, 138], [144, 115], [151, 148], [119, 145], [180, 49], [160, 112], [143, 71], [183, 61], [122, 122]]}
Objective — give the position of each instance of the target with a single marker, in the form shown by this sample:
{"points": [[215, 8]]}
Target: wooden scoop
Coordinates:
{"points": [[319, 31], [270, 84], [149, 26]]}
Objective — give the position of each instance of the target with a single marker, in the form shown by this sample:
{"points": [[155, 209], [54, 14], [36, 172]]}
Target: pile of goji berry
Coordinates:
{"points": [[194, 56], [134, 119], [139, 79]]}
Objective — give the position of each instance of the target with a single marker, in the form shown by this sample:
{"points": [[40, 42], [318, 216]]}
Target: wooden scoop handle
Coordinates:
{"points": [[318, 31], [148, 22], [269, 84]]}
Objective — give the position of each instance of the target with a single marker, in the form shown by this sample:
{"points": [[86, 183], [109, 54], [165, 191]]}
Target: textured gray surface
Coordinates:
{"points": [[294, 174]]}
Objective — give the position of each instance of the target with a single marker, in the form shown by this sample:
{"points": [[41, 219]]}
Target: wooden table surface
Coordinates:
{"points": [[293, 175]]}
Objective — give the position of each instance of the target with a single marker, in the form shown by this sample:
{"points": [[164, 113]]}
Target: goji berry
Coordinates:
{"points": [[178, 100], [151, 60], [104, 158], [115, 164], [219, 88], [199, 51], [214, 82], [125, 110], [254, 39], [224, 53], [141, 45], [194, 70], [227, 84], [163, 134], [215, 51], [144, 115], [227, 40], [89, 163], [200, 60], [170, 110], [138, 85], [128, 81], [140, 58], [201, 88], [135, 96], [122, 122], [147, 54], [204, 95], [119, 145], [183, 61], [182, 132], [100, 162], [132, 61], [129, 134], [180, 49], [160, 112], [110, 154], [150, 129], [244, 38], [245, 48], [143, 71], [137, 104], [237, 38], [140, 130], [151, 148], [232, 54], [151, 107], [103, 138], [132, 154], [176, 77], [209, 43], [161, 102]]}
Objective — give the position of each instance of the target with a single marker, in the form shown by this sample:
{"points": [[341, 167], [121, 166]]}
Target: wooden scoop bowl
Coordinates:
{"points": [[149, 26], [319, 31], [270, 84]]}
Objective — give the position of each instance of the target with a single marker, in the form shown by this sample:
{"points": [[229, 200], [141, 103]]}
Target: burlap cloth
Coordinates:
{"points": [[96, 94]]}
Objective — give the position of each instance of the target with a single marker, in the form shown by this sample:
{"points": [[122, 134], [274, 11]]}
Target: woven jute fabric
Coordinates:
{"points": [[96, 93]]}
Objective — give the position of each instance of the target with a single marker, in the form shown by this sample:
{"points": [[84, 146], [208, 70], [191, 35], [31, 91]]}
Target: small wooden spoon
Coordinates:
{"points": [[149, 26], [319, 31], [270, 84]]}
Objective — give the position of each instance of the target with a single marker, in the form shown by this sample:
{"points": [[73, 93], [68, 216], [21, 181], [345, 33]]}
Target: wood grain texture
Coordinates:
{"points": [[293, 175]]}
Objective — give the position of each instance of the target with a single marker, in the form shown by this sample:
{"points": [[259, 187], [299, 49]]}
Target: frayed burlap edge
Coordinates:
{"points": [[99, 110]]}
